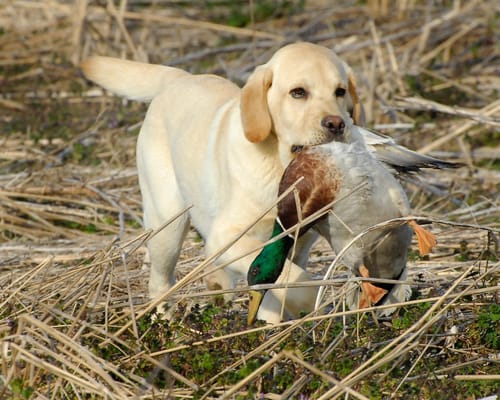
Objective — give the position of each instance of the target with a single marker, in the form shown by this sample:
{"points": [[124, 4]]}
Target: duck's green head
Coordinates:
{"points": [[266, 268]]}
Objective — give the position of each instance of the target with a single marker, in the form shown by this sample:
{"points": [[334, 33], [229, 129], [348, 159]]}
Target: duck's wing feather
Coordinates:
{"points": [[398, 157]]}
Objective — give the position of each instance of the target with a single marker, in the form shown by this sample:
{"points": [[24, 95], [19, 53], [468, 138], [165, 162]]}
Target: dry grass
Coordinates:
{"points": [[75, 318]]}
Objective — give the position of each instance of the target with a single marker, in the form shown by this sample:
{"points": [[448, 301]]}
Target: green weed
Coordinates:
{"points": [[20, 390]]}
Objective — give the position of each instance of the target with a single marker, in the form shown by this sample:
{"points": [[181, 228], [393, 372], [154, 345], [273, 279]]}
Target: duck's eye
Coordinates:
{"points": [[298, 93], [296, 148], [339, 92]]}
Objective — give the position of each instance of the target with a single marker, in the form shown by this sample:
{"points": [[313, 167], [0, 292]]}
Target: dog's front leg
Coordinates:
{"points": [[281, 304], [236, 263]]}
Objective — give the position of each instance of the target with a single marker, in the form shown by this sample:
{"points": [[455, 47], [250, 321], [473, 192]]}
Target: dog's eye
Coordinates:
{"points": [[339, 92], [298, 93]]}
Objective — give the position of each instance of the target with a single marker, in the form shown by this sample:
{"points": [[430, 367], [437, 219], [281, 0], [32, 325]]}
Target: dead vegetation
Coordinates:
{"points": [[75, 321]]}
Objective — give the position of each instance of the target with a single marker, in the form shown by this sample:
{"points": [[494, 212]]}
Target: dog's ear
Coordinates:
{"points": [[257, 123], [358, 113]]}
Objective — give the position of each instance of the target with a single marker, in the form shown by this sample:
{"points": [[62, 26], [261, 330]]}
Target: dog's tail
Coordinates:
{"points": [[134, 80]]}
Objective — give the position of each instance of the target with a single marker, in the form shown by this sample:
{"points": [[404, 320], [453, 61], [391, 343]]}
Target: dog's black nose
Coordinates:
{"points": [[334, 124]]}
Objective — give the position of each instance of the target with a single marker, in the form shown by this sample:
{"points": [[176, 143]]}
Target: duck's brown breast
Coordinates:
{"points": [[319, 186]]}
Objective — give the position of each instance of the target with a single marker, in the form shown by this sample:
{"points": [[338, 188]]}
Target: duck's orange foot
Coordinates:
{"points": [[371, 294], [426, 240]]}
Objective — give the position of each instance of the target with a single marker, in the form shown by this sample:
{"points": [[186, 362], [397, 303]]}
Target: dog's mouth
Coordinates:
{"points": [[320, 139]]}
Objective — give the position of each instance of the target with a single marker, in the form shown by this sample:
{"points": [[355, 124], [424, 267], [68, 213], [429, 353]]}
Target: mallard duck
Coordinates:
{"points": [[364, 192]]}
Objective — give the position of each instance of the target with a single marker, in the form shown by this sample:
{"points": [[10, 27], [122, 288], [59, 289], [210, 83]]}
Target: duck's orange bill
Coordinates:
{"points": [[371, 294], [426, 240]]}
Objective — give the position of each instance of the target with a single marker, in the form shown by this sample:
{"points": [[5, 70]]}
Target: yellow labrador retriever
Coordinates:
{"points": [[208, 144]]}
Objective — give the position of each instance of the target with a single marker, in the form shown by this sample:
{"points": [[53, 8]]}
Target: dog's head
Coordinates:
{"points": [[305, 95]]}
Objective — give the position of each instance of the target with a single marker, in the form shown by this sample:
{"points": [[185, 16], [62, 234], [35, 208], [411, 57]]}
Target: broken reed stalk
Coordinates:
{"points": [[420, 104], [486, 111]]}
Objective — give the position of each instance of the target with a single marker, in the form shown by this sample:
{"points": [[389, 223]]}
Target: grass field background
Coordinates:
{"points": [[75, 320]]}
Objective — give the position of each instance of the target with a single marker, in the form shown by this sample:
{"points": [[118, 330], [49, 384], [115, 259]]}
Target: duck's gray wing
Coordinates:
{"points": [[398, 157]]}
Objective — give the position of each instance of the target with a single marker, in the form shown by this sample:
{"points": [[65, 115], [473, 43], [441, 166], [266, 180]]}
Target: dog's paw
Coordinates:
{"points": [[163, 312]]}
